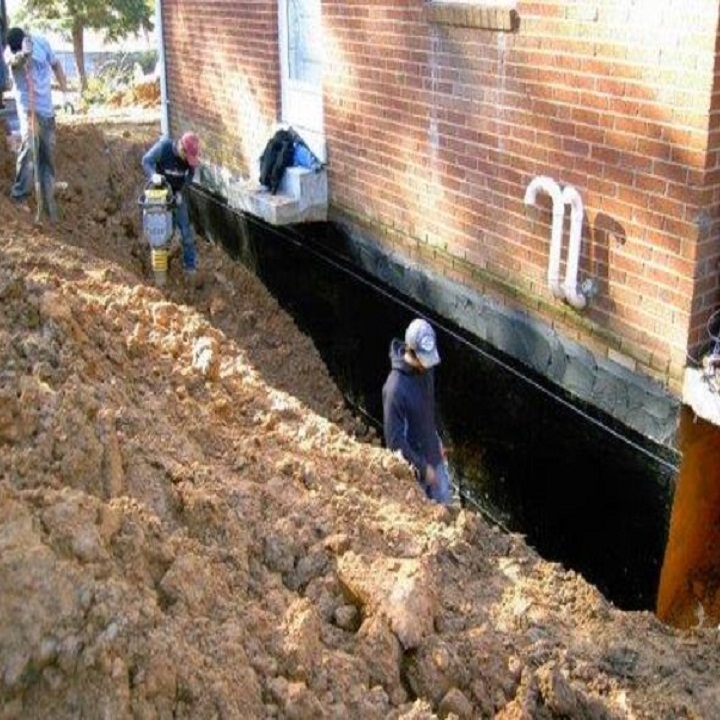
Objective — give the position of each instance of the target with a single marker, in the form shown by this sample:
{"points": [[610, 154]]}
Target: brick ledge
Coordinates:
{"points": [[484, 18]]}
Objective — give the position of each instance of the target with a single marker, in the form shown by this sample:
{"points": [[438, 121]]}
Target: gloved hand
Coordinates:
{"points": [[156, 179]]}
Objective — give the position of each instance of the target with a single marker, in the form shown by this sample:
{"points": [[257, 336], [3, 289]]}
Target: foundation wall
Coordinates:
{"points": [[437, 116]]}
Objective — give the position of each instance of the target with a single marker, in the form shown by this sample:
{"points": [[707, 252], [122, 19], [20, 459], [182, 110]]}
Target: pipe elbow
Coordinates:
{"points": [[575, 299], [547, 185]]}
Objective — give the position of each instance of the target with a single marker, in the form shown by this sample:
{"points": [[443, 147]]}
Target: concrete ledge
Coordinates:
{"points": [[474, 16], [308, 189], [301, 197]]}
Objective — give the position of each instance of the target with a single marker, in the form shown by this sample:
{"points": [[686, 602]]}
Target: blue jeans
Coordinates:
{"points": [[181, 218], [44, 151], [441, 492]]}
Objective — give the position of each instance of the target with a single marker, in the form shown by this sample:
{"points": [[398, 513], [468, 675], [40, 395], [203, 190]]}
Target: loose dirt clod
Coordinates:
{"points": [[192, 526]]}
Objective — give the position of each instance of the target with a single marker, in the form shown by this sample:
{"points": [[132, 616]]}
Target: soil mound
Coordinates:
{"points": [[192, 525], [143, 93]]}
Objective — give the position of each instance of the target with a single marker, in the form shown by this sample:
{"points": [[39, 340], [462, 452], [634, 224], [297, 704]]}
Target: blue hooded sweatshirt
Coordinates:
{"points": [[409, 412]]}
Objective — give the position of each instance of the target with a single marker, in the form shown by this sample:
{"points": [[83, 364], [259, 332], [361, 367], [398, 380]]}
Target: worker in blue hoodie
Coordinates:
{"points": [[409, 408]]}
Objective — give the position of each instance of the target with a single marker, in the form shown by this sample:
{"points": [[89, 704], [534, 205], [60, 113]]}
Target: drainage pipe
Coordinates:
{"points": [[164, 112], [570, 288], [548, 185]]}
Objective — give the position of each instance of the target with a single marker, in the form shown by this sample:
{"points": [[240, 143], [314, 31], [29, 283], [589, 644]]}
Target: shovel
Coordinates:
{"points": [[34, 140]]}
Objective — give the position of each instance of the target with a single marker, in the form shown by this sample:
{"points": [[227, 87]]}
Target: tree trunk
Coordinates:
{"points": [[78, 41]]}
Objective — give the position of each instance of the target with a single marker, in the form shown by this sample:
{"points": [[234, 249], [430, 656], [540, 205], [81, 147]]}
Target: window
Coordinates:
{"points": [[304, 59]]}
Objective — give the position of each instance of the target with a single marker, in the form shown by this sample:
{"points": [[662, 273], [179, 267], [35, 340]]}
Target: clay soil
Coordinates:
{"points": [[193, 526]]}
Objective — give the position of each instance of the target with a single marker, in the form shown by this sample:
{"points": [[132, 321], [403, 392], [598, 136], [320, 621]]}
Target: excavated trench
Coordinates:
{"points": [[584, 492]]}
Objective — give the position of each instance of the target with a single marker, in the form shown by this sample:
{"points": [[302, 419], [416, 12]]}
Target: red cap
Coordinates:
{"points": [[191, 145]]}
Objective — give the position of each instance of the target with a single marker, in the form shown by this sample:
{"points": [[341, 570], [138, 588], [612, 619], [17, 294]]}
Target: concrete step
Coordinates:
{"points": [[302, 195]]}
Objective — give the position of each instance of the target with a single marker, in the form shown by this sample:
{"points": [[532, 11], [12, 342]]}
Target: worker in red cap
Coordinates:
{"points": [[174, 162]]}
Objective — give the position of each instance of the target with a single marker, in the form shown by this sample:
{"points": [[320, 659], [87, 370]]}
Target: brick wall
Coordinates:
{"points": [[708, 248], [221, 59], [437, 119]]}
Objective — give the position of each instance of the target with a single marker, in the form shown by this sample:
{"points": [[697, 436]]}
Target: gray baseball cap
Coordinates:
{"points": [[420, 338]]}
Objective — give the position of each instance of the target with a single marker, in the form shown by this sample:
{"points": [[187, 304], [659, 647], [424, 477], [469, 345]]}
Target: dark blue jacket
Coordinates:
{"points": [[163, 158], [409, 412]]}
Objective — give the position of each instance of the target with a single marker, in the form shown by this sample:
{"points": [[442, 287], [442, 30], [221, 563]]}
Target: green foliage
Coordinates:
{"points": [[117, 73], [96, 92], [115, 18]]}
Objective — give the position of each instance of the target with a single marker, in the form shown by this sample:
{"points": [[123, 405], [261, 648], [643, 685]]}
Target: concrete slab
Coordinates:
{"points": [[302, 195]]}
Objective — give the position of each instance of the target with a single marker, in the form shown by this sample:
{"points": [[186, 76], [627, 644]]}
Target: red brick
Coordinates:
{"points": [[570, 95]]}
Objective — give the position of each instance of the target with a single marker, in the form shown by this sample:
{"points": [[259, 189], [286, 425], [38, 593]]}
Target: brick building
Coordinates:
{"points": [[435, 117]]}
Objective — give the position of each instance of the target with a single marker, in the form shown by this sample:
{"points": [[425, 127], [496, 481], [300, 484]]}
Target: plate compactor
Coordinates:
{"points": [[157, 203]]}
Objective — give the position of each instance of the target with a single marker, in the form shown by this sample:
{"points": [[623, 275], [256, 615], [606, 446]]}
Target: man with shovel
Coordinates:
{"points": [[32, 63]]}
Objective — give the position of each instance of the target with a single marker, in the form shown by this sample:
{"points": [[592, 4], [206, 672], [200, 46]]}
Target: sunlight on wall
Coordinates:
{"points": [[670, 42], [247, 123], [342, 91]]}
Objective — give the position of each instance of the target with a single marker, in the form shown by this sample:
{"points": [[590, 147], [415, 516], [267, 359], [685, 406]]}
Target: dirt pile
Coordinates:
{"points": [[192, 526], [142, 93]]}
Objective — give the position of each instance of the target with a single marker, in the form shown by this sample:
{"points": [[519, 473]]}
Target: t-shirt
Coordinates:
{"points": [[40, 65]]}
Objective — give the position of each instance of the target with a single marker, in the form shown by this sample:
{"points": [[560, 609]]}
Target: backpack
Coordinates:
{"points": [[277, 155]]}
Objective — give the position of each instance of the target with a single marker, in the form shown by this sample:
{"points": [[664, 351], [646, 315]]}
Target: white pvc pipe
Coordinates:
{"points": [[570, 288], [548, 185], [164, 112]]}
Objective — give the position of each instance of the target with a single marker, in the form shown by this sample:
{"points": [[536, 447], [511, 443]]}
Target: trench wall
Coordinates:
{"points": [[439, 115]]}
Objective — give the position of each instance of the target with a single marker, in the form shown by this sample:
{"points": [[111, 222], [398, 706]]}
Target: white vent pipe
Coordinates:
{"points": [[548, 185], [160, 33], [572, 197]]}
